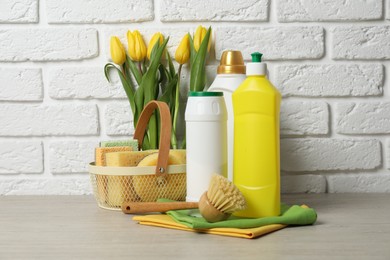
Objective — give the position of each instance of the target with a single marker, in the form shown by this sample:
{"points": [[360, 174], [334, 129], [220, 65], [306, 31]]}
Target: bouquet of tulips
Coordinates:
{"points": [[158, 79]]}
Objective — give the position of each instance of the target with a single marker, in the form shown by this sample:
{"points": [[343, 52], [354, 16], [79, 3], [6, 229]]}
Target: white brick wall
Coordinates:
{"points": [[82, 83], [21, 157], [21, 84], [329, 59], [363, 118], [214, 10], [288, 42], [47, 44], [330, 80], [361, 42], [304, 118], [46, 120], [71, 156], [313, 10], [18, 11], [97, 11], [308, 155]]}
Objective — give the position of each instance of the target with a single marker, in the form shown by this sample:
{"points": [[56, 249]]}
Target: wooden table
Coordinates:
{"points": [[349, 226]]}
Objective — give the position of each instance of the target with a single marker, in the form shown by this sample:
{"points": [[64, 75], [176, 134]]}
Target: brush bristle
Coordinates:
{"points": [[224, 195]]}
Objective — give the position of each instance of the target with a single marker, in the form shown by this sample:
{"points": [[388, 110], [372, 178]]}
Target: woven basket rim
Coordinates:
{"points": [[134, 170]]}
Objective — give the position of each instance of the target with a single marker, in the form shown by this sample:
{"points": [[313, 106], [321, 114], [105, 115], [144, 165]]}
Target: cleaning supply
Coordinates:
{"points": [[100, 153], [230, 74], [216, 204], [128, 142], [125, 159], [256, 169], [206, 138], [165, 221], [234, 226]]}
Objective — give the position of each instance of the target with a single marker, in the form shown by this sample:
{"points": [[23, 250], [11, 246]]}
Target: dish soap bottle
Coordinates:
{"points": [[256, 166], [230, 74]]}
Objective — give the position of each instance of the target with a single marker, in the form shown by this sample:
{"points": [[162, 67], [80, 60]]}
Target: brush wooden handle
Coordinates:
{"points": [[144, 207]]}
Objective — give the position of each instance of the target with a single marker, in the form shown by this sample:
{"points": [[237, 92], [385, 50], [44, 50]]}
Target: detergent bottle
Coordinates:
{"points": [[230, 74], [256, 165]]}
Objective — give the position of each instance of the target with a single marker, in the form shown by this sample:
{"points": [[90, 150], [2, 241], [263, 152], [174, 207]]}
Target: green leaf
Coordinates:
{"points": [[149, 89], [134, 70], [198, 73], [172, 70], [167, 94], [139, 103], [192, 49], [126, 83]]}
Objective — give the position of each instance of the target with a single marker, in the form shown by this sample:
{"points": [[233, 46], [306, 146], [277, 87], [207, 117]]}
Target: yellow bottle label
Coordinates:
{"points": [[256, 166]]}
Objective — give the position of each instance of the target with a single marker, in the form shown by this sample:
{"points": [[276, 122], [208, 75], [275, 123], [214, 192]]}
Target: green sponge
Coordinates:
{"points": [[113, 143]]}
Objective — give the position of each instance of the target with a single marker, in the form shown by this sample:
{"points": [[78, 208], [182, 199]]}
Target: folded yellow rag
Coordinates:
{"points": [[168, 222]]}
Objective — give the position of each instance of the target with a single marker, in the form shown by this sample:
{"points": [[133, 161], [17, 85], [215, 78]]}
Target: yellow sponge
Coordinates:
{"points": [[100, 153]]}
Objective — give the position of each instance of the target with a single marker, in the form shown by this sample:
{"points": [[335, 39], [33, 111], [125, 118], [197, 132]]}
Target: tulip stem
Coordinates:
{"points": [[122, 67], [140, 68], [176, 111]]}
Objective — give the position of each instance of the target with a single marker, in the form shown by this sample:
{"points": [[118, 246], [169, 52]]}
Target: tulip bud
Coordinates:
{"points": [[182, 53], [136, 45], [118, 54], [200, 33], [156, 37]]}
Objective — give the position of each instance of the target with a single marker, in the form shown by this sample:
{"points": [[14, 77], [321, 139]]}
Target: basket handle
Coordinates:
{"points": [[165, 132]]}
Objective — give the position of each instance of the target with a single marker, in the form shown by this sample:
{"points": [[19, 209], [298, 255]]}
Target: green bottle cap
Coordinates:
{"points": [[256, 57]]}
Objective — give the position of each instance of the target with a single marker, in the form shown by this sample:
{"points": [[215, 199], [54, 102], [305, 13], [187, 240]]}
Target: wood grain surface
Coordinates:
{"points": [[349, 226]]}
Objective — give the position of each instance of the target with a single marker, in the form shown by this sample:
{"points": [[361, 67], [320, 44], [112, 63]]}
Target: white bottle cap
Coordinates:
{"points": [[256, 68]]}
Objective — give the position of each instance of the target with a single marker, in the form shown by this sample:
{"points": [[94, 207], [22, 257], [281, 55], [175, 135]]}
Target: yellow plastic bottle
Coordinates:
{"points": [[256, 164]]}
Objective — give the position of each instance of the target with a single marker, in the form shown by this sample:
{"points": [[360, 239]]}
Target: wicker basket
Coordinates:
{"points": [[114, 185]]}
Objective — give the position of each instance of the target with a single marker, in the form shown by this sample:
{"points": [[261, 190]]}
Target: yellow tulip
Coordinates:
{"points": [[136, 45], [182, 53], [118, 54], [156, 37], [200, 33]]}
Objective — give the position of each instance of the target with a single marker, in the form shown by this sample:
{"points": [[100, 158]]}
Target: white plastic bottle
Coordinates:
{"points": [[230, 74], [206, 140]]}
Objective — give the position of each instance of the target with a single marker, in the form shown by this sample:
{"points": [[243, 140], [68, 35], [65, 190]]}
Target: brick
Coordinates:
{"points": [[370, 182], [21, 157], [363, 118], [312, 10], [214, 10], [83, 83], [315, 154], [387, 152], [21, 84], [175, 35], [361, 42], [330, 80], [288, 43], [71, 156], [303, 184], [45, 120], [19, 11], [97, 11], [119, 119], [51, 44], [388, 10], [49, 186], [304, 118]]}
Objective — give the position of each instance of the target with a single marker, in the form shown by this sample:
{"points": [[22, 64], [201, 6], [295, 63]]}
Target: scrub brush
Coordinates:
{"points": [[216, 204]]}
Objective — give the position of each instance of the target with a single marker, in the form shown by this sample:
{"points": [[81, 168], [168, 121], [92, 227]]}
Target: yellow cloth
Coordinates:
{"points": [[167, 222]]}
